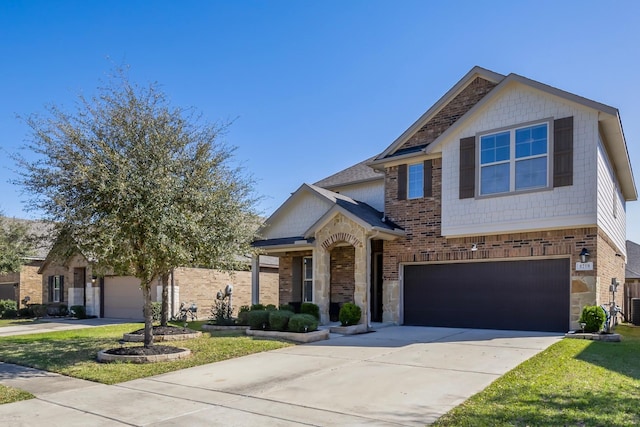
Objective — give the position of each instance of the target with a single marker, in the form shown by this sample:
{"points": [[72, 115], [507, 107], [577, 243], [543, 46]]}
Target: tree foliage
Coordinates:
{"points": [[15, 245], [139, 186]]}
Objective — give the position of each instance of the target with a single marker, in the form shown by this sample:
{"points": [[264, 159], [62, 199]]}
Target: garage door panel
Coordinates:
{"points": [[517, 295], [123, 298]]}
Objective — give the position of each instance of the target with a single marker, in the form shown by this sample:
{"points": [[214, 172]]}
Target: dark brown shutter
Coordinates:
{"points": [[296, 279], [62, 288], [402, 182], [563, 152], [50, 279], [427, 180], [468, 167]]}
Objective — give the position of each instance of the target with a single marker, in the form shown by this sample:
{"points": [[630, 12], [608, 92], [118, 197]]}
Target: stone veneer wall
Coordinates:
{"points": [[340, 230]]}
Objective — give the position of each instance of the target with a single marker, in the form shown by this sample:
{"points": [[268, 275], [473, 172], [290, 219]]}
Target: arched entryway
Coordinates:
{"points": [[341, 278]]}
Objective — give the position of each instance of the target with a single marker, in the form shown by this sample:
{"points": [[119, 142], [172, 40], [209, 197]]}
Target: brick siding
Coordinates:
{"points": [[342, 274], [449, 114], [200, 285]]}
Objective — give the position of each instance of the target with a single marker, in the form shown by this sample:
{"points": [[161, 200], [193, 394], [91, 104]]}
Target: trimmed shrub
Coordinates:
{"points": [[257, 307], [25, 312], [279, 319], [271, 307], [9, 313], [243, 315], [78, 311], [593, 316], [259, 319], [286, 307], [38, 310], [7, 304], [349, 314], [57, 310], [303, 323], [310, 308]]}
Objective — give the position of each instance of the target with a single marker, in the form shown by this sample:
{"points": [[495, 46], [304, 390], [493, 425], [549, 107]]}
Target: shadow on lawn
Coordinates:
{"points": [[558, 409], [620, 357]]}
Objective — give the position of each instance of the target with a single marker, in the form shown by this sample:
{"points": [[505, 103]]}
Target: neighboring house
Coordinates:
{"points": [[72, 282], [632, 283], [26, 282], [476, 216], [632, 270]]}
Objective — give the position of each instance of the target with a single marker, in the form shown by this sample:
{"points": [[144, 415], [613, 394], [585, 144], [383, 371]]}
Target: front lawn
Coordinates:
{"points": [[73, 353], [10, 395], [572, 383]]}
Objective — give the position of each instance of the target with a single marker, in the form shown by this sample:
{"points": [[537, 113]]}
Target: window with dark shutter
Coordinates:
{"points": [[50, 288], [563, 152], [467, 167], [428, 166], [402, 182], [61, 289]]}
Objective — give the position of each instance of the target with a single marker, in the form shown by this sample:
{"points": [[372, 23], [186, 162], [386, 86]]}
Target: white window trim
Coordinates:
{"points": [[306, 281], [55, 289], [421, 187], [512, 160]]}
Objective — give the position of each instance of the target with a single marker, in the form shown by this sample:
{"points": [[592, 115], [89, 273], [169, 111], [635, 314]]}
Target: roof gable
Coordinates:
{"points": [[446, 111], [360, 172]]}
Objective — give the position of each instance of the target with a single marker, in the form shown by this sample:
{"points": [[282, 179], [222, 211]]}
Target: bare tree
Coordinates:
{"points": [[139, 185]]}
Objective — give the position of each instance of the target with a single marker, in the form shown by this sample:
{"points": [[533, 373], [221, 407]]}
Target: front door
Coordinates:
{"points": [[376, 287]]}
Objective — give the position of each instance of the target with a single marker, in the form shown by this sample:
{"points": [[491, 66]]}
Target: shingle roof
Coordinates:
{"points": [[40, 230], [633, 260], [370, 215], [359, 172]]}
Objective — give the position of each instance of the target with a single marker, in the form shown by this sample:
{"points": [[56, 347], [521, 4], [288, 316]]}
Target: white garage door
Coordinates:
{"points": [[123, 298]]}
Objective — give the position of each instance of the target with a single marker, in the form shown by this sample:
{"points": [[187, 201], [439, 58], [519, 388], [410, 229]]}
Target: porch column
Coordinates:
{"points": [[321, 282], [255, 279]]}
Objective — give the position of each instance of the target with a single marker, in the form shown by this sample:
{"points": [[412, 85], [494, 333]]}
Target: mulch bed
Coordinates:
{"points": [[142, 351], [166, 330], [155, 349]]}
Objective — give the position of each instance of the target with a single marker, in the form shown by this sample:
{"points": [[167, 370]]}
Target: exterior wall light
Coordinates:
{"points": [[584, 255]]}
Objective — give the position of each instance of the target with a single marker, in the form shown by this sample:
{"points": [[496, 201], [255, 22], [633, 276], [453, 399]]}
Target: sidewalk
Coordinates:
{"points": [[398, 375]]}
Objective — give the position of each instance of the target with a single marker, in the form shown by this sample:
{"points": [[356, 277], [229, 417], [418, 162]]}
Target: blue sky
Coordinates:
{"points": [[313, 86]]}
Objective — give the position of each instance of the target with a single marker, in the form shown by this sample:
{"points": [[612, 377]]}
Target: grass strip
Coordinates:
{"points": [[572, 383], [73, 352]]}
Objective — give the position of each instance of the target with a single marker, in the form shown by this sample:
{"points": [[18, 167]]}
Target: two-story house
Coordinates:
{"points": [[502, 206]]}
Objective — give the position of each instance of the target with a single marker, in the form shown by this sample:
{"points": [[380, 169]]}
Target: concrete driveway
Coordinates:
{"points": [[394, 376]]}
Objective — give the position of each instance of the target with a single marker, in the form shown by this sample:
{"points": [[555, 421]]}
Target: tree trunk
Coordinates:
{"points": [[148, 315], [164, 315]]}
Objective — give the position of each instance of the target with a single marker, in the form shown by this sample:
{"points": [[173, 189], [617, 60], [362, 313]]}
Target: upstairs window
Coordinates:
{"points": [[514, 160], [415, 181]]}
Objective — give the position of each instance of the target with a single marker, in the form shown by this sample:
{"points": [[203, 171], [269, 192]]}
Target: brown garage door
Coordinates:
{"points": [[123, 298], [515, 295]]}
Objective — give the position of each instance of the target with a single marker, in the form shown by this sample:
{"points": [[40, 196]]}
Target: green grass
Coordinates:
{"points": [[10, 395], [73, 353], [572, 383]]}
